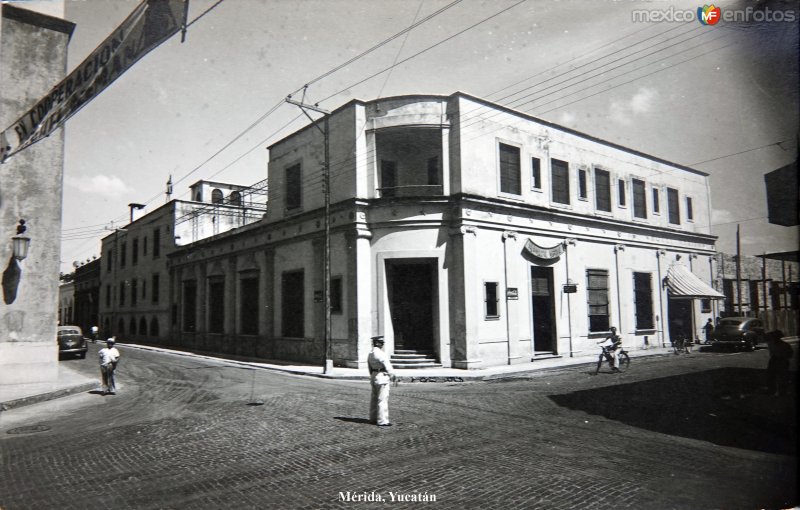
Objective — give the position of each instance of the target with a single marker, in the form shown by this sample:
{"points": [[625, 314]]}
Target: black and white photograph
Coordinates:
{"points": [[399, 254]]}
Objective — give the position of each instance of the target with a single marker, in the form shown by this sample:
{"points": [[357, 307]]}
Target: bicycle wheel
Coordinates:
{"points": [[623, 361], [599, 364]]}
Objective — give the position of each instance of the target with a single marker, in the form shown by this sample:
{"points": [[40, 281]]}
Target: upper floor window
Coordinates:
{"points": [[434, 178], [602, 190], [293, 187], [639, 199], [621, 198], [560, 181], [510, 170], [109, 261], [235, 198], [216, 196], [135, 252], [536, 173], [388, 178], [122, 251], [156, 243], [673, 207], [582, 189], [144, 245], [656, 201], [689, 210]]}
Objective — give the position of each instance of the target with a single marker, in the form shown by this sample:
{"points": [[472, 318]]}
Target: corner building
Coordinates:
{"points": [[461, 228]]}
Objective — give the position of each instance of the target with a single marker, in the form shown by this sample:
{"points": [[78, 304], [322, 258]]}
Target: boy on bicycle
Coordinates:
{"points": [[611, 345]]}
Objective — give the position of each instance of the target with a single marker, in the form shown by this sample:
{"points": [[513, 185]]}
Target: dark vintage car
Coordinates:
{"points": [[71, 341], [739, 333]]}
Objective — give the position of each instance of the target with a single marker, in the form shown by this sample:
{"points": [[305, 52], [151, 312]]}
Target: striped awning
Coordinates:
{"points": [[682, 283]]}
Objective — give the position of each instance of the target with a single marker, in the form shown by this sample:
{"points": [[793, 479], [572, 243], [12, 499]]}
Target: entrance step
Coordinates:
{"points": [[413, 358], [540, 355]]}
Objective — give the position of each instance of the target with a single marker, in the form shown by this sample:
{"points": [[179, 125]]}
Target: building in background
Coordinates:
{"points": [[66, 303], [463, 231], [33, 58], [87, 295], [134, 295], [782, 195]]}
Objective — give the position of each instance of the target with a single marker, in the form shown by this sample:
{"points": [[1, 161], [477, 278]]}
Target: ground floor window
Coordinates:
{"points": [[190, 306], [490, 297], [643, 297], [216, 305], [293, 314], [597, 295], [336, 294], [248, 295]]}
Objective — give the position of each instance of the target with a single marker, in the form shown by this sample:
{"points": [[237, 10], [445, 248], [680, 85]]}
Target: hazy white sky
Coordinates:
{"points": [[736, 91]]}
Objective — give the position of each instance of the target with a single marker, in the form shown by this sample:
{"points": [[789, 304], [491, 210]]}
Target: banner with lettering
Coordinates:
{"points": [[540, 252], [150, 24]]}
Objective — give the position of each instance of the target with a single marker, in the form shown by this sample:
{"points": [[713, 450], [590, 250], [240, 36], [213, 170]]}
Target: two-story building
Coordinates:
{"points": [[134, 300], [459, 227]]}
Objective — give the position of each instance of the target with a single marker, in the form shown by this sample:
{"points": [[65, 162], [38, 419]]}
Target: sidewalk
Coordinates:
{"points": [[70, 382]]}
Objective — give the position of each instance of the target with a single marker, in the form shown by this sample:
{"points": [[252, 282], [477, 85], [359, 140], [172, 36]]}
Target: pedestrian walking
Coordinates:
{"points": [[95, 334], [708, 329], [780, 354], [381, 374], [109, 357]]}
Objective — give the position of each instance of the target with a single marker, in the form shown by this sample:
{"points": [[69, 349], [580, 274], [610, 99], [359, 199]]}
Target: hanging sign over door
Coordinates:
{"points": [[540, 252]]}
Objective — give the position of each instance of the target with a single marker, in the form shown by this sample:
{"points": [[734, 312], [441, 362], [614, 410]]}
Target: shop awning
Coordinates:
{"points": [[681, 283]]}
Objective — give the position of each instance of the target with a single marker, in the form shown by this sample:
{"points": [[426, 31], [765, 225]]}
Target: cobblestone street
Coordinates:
{"points": [[689, 431]]}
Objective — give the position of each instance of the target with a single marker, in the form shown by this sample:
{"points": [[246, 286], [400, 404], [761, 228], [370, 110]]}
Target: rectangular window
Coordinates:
{"points": [[123, 249], [155, 286], [491, 299], [109, 261], [656, 201], [336, 295], [705, 305], [293, 302], [135, 252], [293, 187], [108, 296], [433, 171], [621, 198], [121, 293], [536, 173], [510, 170], [689, 210], [560, 181], [582, 191], [643, 297], [134, 291], [156, 243], [248, 290], [190, 306], [388, 178], [639, 199], [673, 207], [144, 289], [602, 190], [597, 293], [216, 305], [144, 247]]}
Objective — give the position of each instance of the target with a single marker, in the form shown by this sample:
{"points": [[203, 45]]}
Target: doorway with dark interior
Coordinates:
{"points": [[543, 304], [411, 285]]}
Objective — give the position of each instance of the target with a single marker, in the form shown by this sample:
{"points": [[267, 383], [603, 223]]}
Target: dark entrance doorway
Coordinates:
{"points": [[543, 304], [680, 318], [412, 294]]}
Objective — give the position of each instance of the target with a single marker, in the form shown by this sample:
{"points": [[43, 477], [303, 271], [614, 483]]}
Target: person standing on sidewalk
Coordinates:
{"points": [[109, 357], [381, 374], [708, 329]]}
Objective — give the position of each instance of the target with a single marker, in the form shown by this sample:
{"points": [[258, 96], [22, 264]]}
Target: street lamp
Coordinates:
{"points": [[20, 242]]}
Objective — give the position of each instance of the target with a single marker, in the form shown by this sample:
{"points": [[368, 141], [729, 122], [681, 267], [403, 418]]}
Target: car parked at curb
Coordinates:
{"points": [[739, 333], [71, 341]]}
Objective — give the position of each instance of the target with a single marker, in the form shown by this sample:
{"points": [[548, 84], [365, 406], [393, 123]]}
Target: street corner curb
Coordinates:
{"points": [[50, 395]]}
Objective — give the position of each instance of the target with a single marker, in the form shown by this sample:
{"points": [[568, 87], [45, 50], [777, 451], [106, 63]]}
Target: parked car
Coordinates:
{"points": [[739, 333], [71, 341]]}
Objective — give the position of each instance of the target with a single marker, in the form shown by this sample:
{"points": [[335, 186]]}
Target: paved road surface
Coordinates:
{"points": [[689, 431]]}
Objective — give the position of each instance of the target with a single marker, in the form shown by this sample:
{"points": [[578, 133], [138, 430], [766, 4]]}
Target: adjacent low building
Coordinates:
{"points": [[459, 228]]}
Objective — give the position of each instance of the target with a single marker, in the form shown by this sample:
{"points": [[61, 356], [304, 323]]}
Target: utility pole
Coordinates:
{"points": [[738, 272], [326, 190]]}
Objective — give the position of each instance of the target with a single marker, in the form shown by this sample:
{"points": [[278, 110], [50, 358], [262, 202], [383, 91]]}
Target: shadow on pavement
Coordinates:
{"points": [[726, 406], [352, 420]]}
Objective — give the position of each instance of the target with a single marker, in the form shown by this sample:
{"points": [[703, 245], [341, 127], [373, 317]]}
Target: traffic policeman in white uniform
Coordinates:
{"points": [[381, 374]]}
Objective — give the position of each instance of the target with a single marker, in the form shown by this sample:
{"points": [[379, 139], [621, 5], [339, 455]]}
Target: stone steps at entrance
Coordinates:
{"points": [[413, 358], [540, 355]]}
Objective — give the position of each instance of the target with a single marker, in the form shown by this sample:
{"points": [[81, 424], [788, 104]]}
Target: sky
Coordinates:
{"points": [[722, 98]]}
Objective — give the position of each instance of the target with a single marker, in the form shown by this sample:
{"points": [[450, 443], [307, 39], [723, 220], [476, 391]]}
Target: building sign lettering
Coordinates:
{"points": [[540, 252]]}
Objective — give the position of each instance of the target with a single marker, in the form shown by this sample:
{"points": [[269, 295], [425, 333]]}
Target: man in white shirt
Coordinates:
{"points": [[381, 374], [109, 357], [612, 344]]}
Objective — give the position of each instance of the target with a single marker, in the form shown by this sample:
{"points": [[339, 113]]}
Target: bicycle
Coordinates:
{"points": [[623, 360]]}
